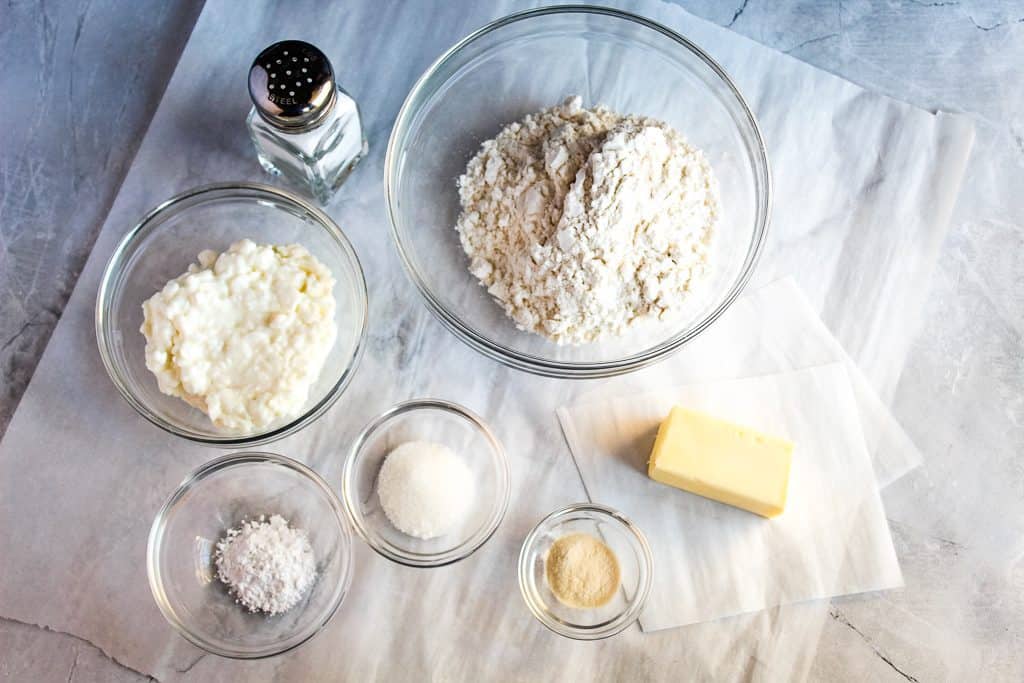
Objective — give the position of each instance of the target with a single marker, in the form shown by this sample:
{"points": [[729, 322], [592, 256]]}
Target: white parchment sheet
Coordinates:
{"points": [[774, 329], [712, 560], [864, 186]]}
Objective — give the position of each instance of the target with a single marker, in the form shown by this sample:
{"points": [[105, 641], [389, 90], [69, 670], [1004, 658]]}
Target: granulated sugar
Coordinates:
{"points": [[425, 489], [267, 565]]}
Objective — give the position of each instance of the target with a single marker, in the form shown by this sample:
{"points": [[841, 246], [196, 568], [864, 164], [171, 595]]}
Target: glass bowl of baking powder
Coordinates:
{"points": [[182, 553]]}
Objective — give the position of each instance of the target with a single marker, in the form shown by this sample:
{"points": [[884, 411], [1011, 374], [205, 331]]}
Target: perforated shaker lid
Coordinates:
{"points": [[291, 83]]}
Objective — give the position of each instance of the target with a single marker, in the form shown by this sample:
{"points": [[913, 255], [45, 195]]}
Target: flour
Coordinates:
{"points": [[583, 222], [267, 565]]}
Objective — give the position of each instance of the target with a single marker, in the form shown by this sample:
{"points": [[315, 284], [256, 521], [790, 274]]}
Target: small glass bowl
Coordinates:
{"points": [[162, 246], [630, 547], [217, 497], [440, 422]]}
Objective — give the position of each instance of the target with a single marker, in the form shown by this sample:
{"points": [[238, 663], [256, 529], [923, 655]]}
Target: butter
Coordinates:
{"points": [[722, 461]]}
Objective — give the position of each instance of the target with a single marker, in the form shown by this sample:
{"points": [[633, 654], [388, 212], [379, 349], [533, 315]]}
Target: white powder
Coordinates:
{"points": [[425, 489], [584, 222], [267, 565]]}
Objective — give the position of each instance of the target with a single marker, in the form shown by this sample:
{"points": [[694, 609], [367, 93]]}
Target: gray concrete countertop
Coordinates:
{"points": [[82, 79]]}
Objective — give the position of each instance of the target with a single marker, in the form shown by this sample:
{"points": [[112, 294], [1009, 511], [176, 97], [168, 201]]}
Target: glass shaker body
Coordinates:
{"points": [[320, 158], [304, 126]]}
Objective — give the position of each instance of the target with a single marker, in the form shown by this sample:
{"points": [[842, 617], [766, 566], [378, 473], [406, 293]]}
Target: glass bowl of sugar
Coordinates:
{"points": [[186, 551], [379, 498]]}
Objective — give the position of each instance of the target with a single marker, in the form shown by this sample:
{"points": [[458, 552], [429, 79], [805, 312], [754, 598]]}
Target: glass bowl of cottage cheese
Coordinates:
{"points": [[232, 314], [577, 191]]}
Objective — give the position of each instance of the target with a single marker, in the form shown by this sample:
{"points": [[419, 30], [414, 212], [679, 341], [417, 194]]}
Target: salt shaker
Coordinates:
{"points": [[304, 125]]}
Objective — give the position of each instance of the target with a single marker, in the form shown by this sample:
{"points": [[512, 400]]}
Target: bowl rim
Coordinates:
{"points": [[348, 474], [156, 533], [530, 362], [604, 629], [152, 220]]}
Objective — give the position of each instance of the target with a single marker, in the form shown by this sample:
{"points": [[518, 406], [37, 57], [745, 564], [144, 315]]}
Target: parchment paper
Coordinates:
{"points": [[864, 188], [712, 560], [773, 329]]}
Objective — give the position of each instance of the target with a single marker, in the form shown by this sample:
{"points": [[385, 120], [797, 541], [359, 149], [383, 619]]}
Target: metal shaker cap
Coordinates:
{"points": [[291, 83]]}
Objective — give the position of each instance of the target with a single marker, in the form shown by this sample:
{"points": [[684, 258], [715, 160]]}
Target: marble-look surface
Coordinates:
{"points": [[78, 99], [80, 81], [958, 521]]}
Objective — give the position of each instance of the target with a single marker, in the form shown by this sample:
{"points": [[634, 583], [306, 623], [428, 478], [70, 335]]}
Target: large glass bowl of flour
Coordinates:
{"points": [[533, 60]]}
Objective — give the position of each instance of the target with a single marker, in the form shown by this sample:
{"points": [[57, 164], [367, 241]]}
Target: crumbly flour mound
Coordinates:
{"points": [[584, 222], [267, 565]]}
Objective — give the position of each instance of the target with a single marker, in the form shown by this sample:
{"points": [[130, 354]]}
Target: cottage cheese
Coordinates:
{"points": [[583, 223], [243, 335]]}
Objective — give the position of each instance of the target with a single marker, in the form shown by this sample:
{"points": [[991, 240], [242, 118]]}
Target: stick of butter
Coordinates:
{"points": [[722, 461]]}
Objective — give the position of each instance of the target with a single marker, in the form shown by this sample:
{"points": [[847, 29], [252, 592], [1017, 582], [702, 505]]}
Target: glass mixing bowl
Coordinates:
{"points": [[440, 422], [631, 550], [533, 60], [162, 246], [217, 497]]}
